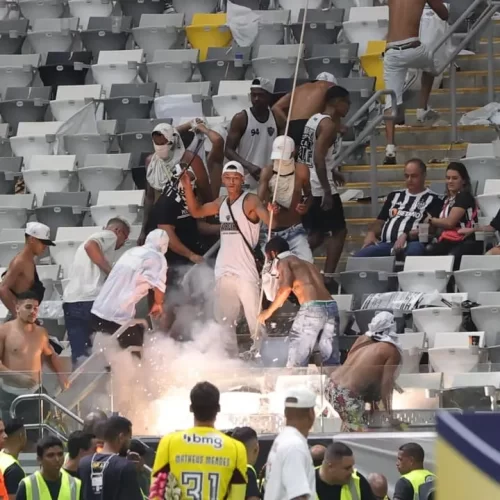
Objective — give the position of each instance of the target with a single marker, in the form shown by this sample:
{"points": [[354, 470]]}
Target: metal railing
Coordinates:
{"points": [[43, 397]]}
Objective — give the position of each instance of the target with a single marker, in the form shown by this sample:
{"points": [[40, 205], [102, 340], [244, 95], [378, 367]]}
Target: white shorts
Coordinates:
{"points": [[396, 65]]}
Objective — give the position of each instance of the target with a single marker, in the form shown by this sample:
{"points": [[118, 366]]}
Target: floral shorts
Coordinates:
{"points": [[349, 406]]}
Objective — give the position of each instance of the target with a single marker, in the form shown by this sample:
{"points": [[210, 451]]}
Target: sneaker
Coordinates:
{"points": [[390, 155], [428, 114]]}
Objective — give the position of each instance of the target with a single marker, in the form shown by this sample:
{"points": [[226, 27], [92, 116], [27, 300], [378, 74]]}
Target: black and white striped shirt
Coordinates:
{"points": [[402, 212]]}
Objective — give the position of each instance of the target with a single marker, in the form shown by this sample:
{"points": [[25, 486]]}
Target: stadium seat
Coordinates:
{"points": [[129, 100], [10, 170], [295, 6], [41, 9], [489, 200], [5, 149], [71, 98], [276, 61], [478, 273], [191, 7], [11, 243], [372, 62], [344, 304], [271, 27], [366, 275], [81, 145], [482, 164], [136, 139], [413, 347], [434, 277], [15, 210], [104, 172], [208, 30], [425, 381], [335, 59], [225, 64], [453, 353], [117, 66], [65, 68], [489, 298], [322, 27], [46, 174], [24, 104], [85, 9], [12, 35], [232, 97], [17, 70], [53, 35], [486, 318], [106, 33], [185, 99], [159, 32], [136, 9], [62, 210], [67, 241], [172, 66], [49, 276], [124, 204], [366, 24], [34, 138], [432, 320], [486, 380]]}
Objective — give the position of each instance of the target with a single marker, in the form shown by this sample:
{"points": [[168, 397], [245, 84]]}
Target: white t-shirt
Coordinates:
{"points": [[136, 271], [289, 469], [85, 278]]}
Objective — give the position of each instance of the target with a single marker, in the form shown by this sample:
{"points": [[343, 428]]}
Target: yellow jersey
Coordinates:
{"points": [[200, 463]]}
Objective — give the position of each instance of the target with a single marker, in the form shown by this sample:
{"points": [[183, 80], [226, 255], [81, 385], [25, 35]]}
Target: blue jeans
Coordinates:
{"points": [[316, 322], [77, 319], [383, 249], [295, 236]]}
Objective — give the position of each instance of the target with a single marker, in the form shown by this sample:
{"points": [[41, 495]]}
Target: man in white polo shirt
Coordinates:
{"points": [[90, 268], [289, 469]]}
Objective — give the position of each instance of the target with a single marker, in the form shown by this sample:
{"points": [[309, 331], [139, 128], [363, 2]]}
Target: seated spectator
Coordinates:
{"points": [[493, 226], [396, 227], [459, 211]]}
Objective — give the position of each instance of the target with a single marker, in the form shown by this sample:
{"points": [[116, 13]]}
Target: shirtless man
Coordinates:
{"points": [[293, 196], [21, 274], [404, 51], [317, 320], [367, 375], [309, 99], [22, 345]]}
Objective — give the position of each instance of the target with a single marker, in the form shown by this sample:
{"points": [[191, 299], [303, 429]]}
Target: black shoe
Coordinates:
{"points": [[390, 160]]}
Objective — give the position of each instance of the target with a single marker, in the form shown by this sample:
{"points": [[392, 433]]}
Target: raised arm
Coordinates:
{"points": [[202, 180], [197, 210], [9, 280], [254, 208], [285, 287]]}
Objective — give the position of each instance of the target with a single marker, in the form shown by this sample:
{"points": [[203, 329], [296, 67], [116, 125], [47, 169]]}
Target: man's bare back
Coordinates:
{"points": [[308, 283], [24, 268], [404, 19], [363, 371]]}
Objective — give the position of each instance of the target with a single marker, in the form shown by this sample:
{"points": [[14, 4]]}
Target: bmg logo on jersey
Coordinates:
{"points": [[209, 440]]}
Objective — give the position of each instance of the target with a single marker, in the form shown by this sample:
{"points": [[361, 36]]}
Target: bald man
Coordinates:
{"points": [[318, 454], [378, 483]]}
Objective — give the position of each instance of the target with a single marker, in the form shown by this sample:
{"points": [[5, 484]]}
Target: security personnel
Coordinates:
{"points": [[50, 483], [13, 445], [249, 438], [336, 478], [414, 476]]}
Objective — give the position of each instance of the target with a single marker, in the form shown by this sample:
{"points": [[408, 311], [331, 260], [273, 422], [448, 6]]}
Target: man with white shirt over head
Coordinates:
{"points": [[91, 265], [290, 471]]}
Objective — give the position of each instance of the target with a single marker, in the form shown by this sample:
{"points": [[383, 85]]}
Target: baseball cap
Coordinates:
{"points": [[262, 83], [283, 146], [326, 77], [233, 167], [40, 232], [300, 397]]}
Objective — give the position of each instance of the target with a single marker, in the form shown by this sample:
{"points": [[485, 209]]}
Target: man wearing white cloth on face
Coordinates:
{"points": [[293, 196], [368, 374], [139, 271]]}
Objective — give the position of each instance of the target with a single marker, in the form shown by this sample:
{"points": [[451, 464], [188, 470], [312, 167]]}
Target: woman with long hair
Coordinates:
{"points": [[459, 211]]}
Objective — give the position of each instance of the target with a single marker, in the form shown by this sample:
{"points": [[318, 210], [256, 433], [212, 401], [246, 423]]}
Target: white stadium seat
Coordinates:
{"points": [[366, 24], [53, 35], [85, 9], [11, 243], [276, 61], [489, 201], [481, 164], [432, 320], [17, 70], [271, 27], [435, 276], [34, 138], [71, 98], [15, 209], [233, 96], [124, 204], [413, 346], [478, 273], [39, 9]]}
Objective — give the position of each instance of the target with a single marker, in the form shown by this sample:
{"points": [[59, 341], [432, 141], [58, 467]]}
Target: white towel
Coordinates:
{"points": [[383, 329], [270, 276]]}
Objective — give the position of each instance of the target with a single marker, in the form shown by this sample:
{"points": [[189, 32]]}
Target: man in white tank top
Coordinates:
{"points": [[236, 275], [252, 132], [325, 218]]}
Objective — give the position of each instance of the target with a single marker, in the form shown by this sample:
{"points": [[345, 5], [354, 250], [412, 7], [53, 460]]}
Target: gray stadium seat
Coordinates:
{"points": [[335, 59], [5, 149], [52, 35], [62, 210], [322, 27], [12, 35], [137, 8], [106, 33], [11, 243], [271, 27], [172, 66], [15, 209], [104, 172], [17, 70], [10, 169], [41, 9]]}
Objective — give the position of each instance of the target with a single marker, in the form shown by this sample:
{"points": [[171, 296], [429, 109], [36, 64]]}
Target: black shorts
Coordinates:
{"points": [[131, 337], [296, 130], [331, 221]]}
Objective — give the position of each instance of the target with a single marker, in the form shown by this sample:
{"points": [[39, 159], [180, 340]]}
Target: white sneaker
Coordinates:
{"points": [[428, 114]]}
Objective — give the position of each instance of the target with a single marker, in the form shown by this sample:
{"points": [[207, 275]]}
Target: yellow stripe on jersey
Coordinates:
{"points": [[200, 463]]}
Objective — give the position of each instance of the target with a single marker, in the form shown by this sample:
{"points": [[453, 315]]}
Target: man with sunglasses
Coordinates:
{"points": [[90, 268]]}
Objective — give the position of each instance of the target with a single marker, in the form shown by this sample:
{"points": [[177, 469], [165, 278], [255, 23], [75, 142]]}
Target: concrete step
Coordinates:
{"points": [[359, 210], [472, 78], [482, 46], [478, 62], [466, 98], [388, 173], [384, 188], [444, 115], [358, 227], [439, 153]]}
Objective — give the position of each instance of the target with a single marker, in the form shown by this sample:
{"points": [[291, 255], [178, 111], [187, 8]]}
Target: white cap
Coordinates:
{"points": [[40, 232], [233, 167], [300, 397], [326, 77], [262, 83], [283, 146]]}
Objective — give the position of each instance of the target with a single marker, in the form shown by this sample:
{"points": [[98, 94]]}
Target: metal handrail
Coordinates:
{"points": [[47, 427], [43, 397], [209, 253]]}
